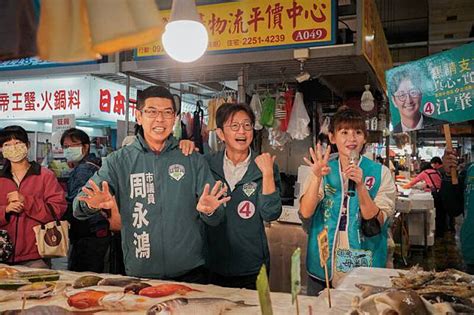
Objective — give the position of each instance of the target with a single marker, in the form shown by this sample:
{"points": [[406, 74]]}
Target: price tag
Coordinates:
{"points": [[264, 292]]}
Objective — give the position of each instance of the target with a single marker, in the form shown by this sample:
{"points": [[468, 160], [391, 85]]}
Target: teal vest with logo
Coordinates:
{"points": [[328, 213]]}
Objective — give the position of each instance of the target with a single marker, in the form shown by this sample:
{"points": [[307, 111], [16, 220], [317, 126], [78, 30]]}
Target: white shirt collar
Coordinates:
{"points": [[245, 162], [417, 127]]}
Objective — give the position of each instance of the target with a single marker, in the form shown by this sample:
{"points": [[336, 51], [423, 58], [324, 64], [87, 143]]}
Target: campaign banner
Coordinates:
{"points": [[258, 25], [431, 91]]}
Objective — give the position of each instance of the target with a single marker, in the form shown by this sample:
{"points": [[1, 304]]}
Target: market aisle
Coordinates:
{"points": [[444, 254]]}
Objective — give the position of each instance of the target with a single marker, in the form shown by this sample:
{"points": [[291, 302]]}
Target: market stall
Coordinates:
{"points": [[238, 301]]}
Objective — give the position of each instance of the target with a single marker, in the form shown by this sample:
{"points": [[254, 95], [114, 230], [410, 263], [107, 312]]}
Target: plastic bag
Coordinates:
{"points": [[256, 107], [277, 138], [268, 112], [298, 127]]}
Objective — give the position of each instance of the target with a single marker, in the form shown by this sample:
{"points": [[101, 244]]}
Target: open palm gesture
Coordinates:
{"points": [[209, 201], [319, 164], [96, 198]]}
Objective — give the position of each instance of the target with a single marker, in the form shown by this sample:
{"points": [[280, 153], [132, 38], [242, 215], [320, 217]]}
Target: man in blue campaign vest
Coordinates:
{"points": [[455, 204], [357, 221]]}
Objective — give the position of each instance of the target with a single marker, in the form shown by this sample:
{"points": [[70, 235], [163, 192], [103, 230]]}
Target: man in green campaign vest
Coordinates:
{"points": [[238, 247], [163, 197]]}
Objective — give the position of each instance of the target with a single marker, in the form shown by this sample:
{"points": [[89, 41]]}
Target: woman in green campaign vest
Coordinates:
{"points": [[357, 221]]}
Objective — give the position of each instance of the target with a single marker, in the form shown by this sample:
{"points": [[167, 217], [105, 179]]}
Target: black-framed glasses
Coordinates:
{"points": [[153, 113], [402, 95], [235, 126]]}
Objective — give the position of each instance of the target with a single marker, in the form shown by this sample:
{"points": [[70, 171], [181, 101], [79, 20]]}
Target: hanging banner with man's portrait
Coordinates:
{"points": [[432, 91]]}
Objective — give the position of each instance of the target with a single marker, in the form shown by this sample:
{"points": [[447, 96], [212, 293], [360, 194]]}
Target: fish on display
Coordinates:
{"points": [[166, 289], [7, 272], [134, 288], [195, 306], [86, 299], [118, 282], [44, 310], [125, 302], [86, 281], [104, 288], [37, 290], [38, 275], [401, 302]]}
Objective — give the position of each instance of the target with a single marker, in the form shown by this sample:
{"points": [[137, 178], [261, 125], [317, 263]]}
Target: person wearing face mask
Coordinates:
{"points": [[89, 238], [29, 195], [238, 247]]}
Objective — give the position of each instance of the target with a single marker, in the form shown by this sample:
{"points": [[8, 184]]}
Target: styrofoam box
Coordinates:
{"points": [[420, 240], [422, 201], [289, 214], [403, 204], [415, 222]]}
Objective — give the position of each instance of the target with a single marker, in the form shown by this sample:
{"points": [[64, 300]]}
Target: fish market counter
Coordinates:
{"points": [[343, 295], [108, 297]]}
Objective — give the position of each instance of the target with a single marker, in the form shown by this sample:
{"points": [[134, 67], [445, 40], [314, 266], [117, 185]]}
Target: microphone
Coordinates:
{"points": [[351, 187]]}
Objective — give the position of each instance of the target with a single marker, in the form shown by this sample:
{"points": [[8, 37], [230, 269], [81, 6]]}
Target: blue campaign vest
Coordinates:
{"points": [[327, 214]]}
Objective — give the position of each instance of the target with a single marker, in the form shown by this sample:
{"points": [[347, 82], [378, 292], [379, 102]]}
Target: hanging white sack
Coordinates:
{"points": [[298, 127], [256, 107]]}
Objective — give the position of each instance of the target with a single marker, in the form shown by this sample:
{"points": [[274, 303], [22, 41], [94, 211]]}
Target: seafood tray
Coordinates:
{"points": [[419, 292]]}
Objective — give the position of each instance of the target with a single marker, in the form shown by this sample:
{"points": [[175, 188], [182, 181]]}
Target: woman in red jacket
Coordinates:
{"points": [[29, 193]]}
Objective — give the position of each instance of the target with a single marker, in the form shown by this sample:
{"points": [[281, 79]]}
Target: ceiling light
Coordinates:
{"points": [[185, 38]]}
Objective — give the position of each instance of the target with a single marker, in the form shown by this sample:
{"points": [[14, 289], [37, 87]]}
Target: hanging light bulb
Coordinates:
{"points": [[367, 99], [185, 38]]}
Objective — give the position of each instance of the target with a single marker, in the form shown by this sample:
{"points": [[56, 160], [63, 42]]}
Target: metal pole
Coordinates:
{"points": [[127, 105], [242, 82]]}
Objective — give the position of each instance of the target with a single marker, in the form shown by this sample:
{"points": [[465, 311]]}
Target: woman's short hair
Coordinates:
{"points": [[13, 133]]}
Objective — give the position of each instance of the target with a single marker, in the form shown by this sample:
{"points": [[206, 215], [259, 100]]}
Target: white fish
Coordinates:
{"points": [[197, 306], [126, 302]]}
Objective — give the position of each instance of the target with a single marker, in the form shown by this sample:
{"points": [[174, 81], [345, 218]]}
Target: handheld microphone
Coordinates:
{"points": [[351, 187]]}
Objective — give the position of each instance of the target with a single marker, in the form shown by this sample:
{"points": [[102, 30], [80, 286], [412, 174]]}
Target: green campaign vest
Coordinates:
{"points": [[327, 214]]}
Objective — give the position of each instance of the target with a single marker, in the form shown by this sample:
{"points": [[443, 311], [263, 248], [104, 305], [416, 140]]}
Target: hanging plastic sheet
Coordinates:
{"points": [[256, 107], [79, 30], [268, 112], [123, 24], [277, 138], [63, 32], [298, 127], [289, 98]]}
